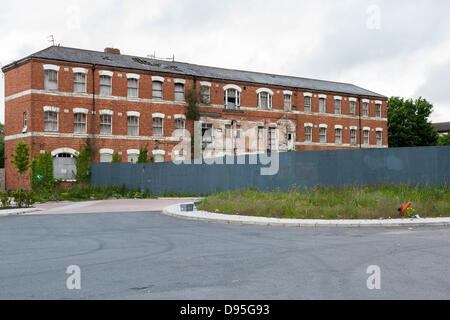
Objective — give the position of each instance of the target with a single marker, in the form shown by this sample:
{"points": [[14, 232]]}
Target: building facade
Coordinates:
{"points": [[58, 97]]}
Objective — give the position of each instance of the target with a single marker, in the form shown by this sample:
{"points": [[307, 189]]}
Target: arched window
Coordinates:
{"points": [[232, 96], [264, 98]]}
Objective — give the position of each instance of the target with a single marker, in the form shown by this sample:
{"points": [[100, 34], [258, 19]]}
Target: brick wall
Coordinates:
{"points": [[30, 75]]}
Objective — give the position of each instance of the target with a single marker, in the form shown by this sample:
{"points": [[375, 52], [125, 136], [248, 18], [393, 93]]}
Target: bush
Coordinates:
{"points": [[29, 198], [19, 197], [4, 198]]}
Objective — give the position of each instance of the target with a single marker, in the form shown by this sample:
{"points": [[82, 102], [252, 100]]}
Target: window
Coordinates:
{"points": [[378, 110], [133, 87], [379, 138], [352, 107], [64, 166], [323, 134], [205, 94], [157, 90], [308, 133], [238, 132], [232, 99], [228, 131], [338, 135], [51, 80], [206, 134], [133, 125], [158, 126], [366, 136], [105, 85], [322, 105], [79, 82], [158, 156], [307, 104], [352, 136], [50, 121], [79, 123], [265, 100], [287, 102], [337, 106], [179, 92], [272, 139], [179, 126], [133, 156], [105, 124], [365, 109], [261, 138], [106, 156], [25, 122]]}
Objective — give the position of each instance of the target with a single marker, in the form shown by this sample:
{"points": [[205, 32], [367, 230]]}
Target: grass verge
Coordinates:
{"points": [[350, 202]]}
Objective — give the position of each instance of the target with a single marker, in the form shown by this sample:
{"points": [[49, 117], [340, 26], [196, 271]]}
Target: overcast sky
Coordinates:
{"points": [[399, 48]]}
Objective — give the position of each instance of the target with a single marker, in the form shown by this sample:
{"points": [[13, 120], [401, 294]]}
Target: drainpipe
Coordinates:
{"points": [[359, 118]]}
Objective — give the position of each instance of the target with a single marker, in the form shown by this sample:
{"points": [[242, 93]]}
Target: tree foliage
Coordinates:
{"points": [[143, 155], [193, 98], [444, 140], [42, 173], [84, 160], [408, 124], [116, 158], [21, 157]]}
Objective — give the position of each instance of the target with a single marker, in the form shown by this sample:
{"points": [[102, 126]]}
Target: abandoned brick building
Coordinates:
{"points": [[58, 97]]}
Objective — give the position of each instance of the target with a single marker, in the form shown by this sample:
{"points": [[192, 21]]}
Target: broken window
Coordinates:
{"points": [[205, 94], [265, 100], [232, 99]]}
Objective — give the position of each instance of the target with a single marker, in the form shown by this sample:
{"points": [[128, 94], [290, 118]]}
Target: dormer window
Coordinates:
{"points": [[232, 96], [50, 77], [264, 98]]}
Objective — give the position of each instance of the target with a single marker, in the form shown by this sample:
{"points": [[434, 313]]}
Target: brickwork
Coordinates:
{"points": [[24, 92]]}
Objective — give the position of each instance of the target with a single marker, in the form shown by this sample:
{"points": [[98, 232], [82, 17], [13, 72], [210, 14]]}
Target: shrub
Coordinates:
{"points": [[4, 198], [19, 197], [29, 198]]}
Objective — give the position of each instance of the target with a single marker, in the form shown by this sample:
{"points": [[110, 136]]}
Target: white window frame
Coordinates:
{"points": [[353, 129], [103, 75], [338, 129], [161, 117], [378, 105], [133, 115], [107, 113], [288, 106], [307, 96], [133, 78], [47, 110], [205, 85], [321, 127], [337, 105], [379, 131], [366, 129], [106, 151], [237, 91], [365, 111], [157, 80], [79, 123], [308, 127], [83, 72], [264, 91], [177, 93], [352, 106]]}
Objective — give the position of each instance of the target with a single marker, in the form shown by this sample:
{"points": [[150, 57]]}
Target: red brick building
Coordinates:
{"points": [[57, 97]]}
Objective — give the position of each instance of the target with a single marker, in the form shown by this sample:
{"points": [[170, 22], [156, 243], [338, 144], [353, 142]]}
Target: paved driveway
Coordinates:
{"points": [[146, 255]]}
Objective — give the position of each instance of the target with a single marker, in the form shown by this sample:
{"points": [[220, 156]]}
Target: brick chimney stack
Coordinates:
{"points": [[112, 50]]}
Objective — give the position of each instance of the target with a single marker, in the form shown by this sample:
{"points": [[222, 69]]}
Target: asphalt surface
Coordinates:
{"points": [[146, 255]]}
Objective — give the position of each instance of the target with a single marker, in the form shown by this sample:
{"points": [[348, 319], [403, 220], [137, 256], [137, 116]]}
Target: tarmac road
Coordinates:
{"points": [[147, 255]]}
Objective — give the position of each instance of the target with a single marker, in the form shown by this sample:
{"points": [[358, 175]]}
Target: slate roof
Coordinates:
{"points": [[442, 126], [161, 66]]}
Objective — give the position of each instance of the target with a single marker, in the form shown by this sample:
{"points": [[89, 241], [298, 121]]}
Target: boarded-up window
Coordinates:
{"points": [[50, 80], [64, 166]]}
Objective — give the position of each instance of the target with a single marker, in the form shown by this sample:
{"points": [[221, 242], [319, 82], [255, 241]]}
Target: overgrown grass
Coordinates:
{"points": [[350, 202]]}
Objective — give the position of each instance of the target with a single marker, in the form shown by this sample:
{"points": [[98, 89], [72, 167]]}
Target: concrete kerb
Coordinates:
{"points": [[13, 212], [175, 211]]}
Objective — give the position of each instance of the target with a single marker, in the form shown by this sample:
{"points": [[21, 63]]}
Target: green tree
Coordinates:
{"points": [[116, 157], [143, 155], [84, 160], [444, 140], [408, 123], [42, 172], [21, 159]]}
